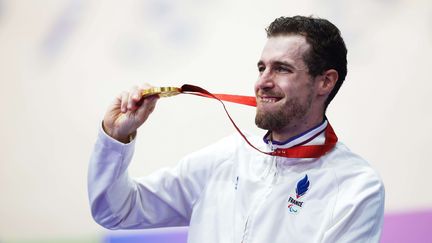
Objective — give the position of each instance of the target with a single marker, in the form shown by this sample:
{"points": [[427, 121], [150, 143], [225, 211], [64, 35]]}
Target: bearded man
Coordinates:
{"points": [[309, 187]]}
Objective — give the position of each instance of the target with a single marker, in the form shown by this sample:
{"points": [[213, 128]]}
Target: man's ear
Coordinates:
{"points": [[327, 81]]}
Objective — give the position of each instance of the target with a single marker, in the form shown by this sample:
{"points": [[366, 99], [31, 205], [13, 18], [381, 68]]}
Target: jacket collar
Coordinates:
{"points": [[303, 138]]}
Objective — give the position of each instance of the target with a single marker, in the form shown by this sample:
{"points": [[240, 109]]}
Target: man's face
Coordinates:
{"points": [[284, 90]]}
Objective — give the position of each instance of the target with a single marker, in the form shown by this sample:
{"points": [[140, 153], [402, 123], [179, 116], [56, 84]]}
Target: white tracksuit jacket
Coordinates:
{"points": [[229, 192]]}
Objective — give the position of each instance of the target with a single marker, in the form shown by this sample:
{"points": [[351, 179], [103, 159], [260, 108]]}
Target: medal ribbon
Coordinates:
{"points": [[299, 151]]}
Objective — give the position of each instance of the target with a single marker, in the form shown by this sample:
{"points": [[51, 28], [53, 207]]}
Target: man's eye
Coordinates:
{"points": [[283, 70], [261, 69]]}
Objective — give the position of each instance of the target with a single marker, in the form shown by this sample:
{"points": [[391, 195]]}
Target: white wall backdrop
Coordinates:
{"points": [[62, 62]]}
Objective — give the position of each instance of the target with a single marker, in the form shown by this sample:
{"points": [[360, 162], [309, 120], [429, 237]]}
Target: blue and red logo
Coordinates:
{"points": [[302, 187]]}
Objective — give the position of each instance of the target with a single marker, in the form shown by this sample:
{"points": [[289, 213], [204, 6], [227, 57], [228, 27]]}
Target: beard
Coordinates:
{"points": [[284, 115]]}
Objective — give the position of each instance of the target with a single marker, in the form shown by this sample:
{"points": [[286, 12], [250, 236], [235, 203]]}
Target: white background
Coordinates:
{"points": [[62, 62]]}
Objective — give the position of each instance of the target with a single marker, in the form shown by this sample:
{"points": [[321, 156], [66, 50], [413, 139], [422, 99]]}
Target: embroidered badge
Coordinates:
{"points": [[294, 204]]}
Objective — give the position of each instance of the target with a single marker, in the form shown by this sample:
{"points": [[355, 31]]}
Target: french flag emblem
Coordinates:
{"points": [[302, 186]]}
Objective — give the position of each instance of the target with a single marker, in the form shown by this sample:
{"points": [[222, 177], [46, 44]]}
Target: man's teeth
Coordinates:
{"points": [[268, 100]]}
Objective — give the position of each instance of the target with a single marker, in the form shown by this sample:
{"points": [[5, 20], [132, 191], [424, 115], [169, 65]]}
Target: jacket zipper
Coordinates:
{"points": [[275, 175]]}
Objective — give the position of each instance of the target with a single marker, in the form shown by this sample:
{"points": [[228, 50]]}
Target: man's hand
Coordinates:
{"points": [[128, 112]]}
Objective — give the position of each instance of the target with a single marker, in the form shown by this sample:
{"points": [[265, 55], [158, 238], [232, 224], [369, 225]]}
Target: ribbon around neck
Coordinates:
{"points": [[298, 151]]}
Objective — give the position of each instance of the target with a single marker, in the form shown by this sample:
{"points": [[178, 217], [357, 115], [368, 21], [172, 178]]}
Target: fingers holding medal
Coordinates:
{"points": [[137, 95], [128, 112]]}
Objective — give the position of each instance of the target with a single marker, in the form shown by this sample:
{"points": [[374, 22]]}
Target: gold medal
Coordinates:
{"points": [[161, 91]]}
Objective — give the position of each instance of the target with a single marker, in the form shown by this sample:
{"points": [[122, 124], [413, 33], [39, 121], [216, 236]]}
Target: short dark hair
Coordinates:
{"points": [[327, 48]]}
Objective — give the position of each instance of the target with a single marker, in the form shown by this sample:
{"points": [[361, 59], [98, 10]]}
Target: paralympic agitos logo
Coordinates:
{"points": [[294, 204]]}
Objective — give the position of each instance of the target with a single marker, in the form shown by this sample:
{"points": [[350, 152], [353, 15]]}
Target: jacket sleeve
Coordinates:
{"points": [[119, 202], [359, 210], [164, 198]]}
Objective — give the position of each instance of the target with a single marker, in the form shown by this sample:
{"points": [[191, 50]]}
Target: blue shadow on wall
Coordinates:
{"points": [[161, 235], [407, 227], [404, 227]]}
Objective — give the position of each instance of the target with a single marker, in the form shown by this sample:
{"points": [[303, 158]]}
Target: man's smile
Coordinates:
{"points": [[268, 98]]}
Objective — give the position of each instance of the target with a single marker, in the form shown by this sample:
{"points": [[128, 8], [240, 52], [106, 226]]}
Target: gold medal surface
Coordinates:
{"points": [[161, 91]]}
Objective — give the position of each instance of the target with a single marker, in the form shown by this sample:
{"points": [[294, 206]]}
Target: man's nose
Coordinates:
{"points": [[265, 80]]}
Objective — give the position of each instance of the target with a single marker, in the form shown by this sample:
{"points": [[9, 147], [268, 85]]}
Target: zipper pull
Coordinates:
{"points": [[270, 143]]}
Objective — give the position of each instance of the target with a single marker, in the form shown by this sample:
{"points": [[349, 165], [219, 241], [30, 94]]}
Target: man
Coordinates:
{"points": [[312, 191]]}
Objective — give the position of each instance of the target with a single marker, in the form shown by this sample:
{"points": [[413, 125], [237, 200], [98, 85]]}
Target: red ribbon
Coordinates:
{"points": [[299, 151]]}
